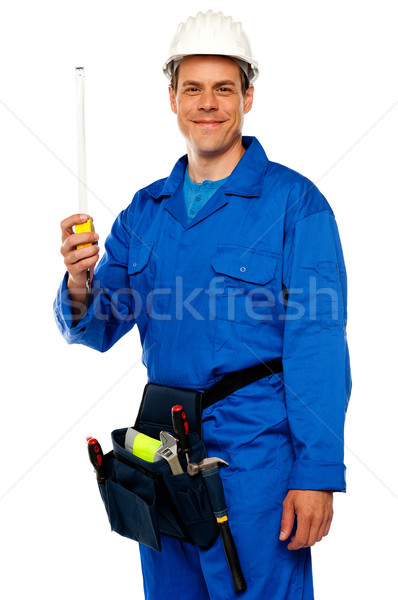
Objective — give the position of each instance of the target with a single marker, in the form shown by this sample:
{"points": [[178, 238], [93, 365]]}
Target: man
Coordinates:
{"points": [[231, 261]]}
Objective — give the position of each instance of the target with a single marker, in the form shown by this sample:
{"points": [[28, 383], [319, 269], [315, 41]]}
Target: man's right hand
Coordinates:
{"points": [[78, 261]]}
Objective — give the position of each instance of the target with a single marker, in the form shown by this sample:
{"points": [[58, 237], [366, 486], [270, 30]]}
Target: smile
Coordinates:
{"points": [[208, 123]]}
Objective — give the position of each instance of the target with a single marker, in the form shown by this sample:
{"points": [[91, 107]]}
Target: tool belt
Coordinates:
{"points": [[144, 499]]}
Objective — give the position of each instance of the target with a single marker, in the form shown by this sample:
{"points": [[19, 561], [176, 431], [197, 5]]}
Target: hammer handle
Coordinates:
{"points": [[232, 557], [214, 487]]}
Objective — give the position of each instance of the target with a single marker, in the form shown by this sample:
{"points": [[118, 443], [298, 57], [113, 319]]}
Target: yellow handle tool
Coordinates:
{"points": [[84, 228]]}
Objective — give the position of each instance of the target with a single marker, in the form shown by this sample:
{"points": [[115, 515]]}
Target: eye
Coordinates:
{"points": [[224, 89]]}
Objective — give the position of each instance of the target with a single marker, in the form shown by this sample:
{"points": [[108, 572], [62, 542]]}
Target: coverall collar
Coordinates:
{"points": [[245, 180]]}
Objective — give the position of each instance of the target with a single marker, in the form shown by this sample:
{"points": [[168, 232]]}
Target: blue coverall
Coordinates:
{"points": [[257, 274]]}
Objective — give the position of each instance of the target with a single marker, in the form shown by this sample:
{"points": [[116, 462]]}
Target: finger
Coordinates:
{"points": [[75, 256], [287, 520], [327, 525], [319, 529], [316, 530], [315, 534], [328, 519], [82, 265], [75, 239], [301, 536], [68, 223]]}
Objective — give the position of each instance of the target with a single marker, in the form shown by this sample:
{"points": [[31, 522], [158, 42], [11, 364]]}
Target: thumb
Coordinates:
{"points": [[287, 521]]}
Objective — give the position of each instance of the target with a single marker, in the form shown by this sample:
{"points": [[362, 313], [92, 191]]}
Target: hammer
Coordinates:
{"points": [[208, 467]]}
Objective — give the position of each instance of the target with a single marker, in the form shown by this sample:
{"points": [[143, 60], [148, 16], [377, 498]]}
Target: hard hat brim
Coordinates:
{"points": [[168, 67]]}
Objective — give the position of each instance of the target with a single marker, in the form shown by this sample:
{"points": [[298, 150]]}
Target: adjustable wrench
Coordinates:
{"points": [[168, 451]]}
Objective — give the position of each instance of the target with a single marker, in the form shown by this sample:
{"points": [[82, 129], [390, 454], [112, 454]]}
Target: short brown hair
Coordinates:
{"points": [[244, 81]]}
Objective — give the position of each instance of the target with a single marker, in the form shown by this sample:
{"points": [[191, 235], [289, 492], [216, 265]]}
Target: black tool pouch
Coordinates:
{"points": [[144, 499]]}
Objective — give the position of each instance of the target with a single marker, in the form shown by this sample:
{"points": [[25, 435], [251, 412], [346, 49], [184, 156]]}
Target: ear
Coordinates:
{"points": [[248, 102], [173, 102]]}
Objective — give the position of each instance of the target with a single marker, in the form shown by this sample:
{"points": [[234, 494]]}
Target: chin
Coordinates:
{"points": [[210, 150], [209, 146]]}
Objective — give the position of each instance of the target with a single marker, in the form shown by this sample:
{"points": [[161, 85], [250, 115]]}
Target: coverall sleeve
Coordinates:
{"points": [[315, 353], [110, 314]]}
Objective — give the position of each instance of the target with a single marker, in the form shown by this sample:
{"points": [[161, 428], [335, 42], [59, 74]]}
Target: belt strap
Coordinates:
{"points": [[237, 379], [157, 400]]}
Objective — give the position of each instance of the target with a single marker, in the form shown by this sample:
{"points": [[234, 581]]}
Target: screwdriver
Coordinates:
{"points": [[96, 458], [181, 428]]}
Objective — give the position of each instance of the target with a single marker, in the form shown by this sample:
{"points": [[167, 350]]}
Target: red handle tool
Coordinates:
{"points": [[181, 428], [96, 457]]}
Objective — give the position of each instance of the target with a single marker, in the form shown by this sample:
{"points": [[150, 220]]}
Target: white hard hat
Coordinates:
{"points": [[211, 33]]}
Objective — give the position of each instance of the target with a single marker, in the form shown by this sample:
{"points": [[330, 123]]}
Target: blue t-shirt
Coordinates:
{"points": [[197, 194]]}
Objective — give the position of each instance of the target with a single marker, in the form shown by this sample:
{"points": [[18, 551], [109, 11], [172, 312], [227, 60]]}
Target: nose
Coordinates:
{"points": [[208, 101]]}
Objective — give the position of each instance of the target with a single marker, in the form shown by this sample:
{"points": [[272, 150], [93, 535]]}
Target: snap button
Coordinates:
{"points": [[243, 269], [134, 264]]}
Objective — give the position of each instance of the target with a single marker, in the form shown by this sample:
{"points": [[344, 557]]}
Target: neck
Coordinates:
{"points": [[213, 168]]}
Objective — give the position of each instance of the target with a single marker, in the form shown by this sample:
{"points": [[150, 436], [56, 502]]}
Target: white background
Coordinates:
{"points": [[326, 105]]}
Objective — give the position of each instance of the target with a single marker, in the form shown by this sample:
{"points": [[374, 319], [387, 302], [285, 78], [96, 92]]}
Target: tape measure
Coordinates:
{"points": [[142, 445], [81, 153], [83, 228]]}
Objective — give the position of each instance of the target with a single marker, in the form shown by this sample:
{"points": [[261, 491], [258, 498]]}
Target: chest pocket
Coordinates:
{"points": [[139, 255], [140, 273], [245, 264], [140, 277], [243, 295]]}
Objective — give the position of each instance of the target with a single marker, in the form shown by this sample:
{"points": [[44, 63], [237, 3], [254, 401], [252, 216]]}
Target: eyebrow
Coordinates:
{"points": [[217, 84]]}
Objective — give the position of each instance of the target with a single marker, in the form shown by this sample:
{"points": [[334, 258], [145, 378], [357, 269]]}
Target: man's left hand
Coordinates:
{"points": [[314, 511]]}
